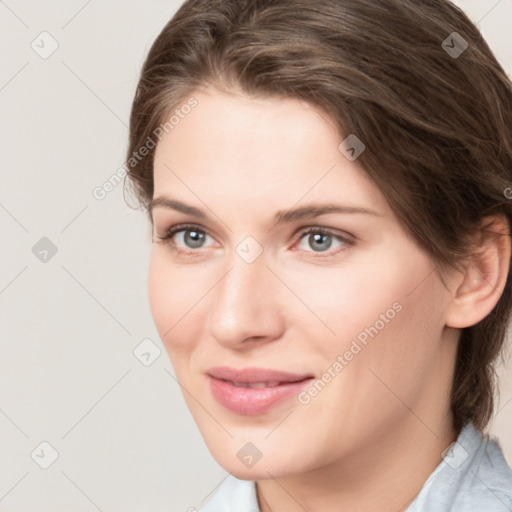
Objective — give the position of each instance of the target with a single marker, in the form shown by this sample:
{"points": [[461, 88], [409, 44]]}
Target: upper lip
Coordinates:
{"points": [[253, 375]]}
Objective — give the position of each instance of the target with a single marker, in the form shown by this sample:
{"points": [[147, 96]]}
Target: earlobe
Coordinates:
{"points": [[484, 276]]}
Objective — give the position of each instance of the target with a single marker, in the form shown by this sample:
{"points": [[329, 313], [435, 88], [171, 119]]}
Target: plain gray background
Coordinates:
{"points": [[71, 320]]}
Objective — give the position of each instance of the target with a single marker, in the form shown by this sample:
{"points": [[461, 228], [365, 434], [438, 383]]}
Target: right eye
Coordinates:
{"points": [[192, 237]]}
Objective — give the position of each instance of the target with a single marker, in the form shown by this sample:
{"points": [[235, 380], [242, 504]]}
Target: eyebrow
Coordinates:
{"points": [[282, 216]]}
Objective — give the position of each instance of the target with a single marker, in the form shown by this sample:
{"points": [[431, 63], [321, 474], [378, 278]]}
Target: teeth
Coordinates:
{"points": [[256, 385]]}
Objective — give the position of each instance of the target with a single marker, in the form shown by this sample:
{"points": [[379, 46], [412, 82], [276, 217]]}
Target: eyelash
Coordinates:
{"points": [[305, 231]]}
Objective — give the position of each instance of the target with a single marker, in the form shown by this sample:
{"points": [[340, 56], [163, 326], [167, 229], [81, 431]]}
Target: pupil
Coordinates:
{"points": [[194, 237], [318, 238]]}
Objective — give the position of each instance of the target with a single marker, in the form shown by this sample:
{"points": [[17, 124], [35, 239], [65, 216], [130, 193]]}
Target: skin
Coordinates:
{"points": [[375, 432]]}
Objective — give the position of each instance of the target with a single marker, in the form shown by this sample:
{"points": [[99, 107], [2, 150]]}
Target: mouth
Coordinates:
{"points": [[253, 391], [255, 385]]}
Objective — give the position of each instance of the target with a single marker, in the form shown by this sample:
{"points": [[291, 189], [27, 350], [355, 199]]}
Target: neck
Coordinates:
{"points": [[385, 474]]}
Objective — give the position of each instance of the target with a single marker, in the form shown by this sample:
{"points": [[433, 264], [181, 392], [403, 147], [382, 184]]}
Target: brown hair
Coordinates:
{"points": [[436, 124]]}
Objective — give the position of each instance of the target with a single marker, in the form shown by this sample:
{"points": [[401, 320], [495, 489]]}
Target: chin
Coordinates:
{"points": [[271, 466]]}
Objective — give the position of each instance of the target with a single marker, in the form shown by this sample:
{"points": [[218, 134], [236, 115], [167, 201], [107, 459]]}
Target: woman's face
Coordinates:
{"points": [[356, 314]]}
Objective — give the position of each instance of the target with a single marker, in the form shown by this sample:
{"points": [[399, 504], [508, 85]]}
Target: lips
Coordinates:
{"points": [[255, 385], [253, 391]]}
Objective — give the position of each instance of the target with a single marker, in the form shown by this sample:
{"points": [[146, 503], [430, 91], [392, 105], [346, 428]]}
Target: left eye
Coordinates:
{"points": [[193, 237], [321, 239]]}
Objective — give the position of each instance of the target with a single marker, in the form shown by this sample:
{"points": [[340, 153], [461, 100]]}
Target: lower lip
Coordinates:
{"points": [[253, 401]]}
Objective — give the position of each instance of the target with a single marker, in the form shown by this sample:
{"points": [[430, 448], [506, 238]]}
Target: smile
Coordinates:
{"points": [[254, 391]]}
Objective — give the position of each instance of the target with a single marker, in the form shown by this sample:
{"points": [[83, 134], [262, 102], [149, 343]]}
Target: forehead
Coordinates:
{"points": [[236, 124], [271, 151]]}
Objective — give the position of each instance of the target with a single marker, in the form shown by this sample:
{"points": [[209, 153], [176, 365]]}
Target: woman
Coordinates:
{"points": [[327, 186]]}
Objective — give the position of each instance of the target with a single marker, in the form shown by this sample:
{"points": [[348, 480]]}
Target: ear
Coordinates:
{"points": [[477, 288]]}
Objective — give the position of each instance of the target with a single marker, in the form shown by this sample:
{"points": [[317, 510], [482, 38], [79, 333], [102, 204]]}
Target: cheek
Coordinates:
{"points": [[392, 334], [174, 298], [375, 359], [352, 299], [161, 298], [383, 312]]}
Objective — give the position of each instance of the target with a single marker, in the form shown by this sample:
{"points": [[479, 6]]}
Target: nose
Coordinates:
{"points": [[246, 305]]}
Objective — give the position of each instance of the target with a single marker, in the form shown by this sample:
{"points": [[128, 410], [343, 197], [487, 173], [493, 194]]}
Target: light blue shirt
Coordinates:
{"points": [[472, 477]]}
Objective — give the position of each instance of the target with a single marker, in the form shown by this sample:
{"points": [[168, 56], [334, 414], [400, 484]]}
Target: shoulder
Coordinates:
{"points": [[473, 476], [493, 474], [233, 495]]}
